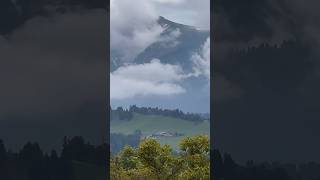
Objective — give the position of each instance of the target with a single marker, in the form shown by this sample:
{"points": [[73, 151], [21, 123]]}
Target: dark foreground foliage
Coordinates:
{"points": [[31, 163], [225, 168]]}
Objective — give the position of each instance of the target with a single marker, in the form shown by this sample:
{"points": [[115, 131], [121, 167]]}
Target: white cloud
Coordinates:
{"points": [[169, 1], [156, 78], [201, 60], [152, 78], [170, 40], [133, 27], [172, 36]]}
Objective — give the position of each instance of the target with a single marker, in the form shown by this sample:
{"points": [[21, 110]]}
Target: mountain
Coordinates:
{"points": [[176, 45], [189, 39]]}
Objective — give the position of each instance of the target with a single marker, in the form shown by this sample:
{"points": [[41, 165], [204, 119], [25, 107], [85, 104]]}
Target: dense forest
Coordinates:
{"points": [[264, 65], [32, 163], [269, 78], [127, 114]]}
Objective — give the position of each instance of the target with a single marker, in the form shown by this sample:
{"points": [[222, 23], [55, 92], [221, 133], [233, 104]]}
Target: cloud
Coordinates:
{"points": [[147, 79], [175, 2], [170, 40], [156, 78], [133, 27], [201, 60]]}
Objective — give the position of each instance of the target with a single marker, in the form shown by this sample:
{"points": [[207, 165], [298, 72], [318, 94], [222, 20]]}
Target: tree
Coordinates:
{"points": [[153, 161], [195, 151]]}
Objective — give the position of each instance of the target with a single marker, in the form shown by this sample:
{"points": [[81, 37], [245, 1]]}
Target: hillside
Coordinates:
{"points": [[155, 124], [187, 41]]}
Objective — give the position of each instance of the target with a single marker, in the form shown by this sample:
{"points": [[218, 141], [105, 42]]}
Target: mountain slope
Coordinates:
{"points": [[177, 44]]}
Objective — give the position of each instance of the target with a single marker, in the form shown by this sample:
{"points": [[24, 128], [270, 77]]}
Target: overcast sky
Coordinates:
{"points": [[190, 12]]}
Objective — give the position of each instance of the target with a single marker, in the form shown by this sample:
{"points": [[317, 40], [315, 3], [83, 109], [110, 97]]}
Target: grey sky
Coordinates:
{"points": [[190, 12]]}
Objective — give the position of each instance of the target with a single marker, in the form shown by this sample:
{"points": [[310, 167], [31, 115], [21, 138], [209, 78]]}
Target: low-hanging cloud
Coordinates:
{"points": [[132, 33], [201, 60], [147, 79], [156, 78], [170, 39]]}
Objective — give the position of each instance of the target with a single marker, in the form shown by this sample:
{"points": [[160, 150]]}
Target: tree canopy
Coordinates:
{"points": [[153, 161]]}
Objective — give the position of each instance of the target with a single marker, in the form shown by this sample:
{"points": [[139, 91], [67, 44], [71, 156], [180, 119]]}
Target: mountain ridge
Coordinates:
{"points": [[176, 45]]}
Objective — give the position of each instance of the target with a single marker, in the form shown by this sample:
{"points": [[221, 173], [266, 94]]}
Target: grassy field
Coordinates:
{"points": [[149, 124]]}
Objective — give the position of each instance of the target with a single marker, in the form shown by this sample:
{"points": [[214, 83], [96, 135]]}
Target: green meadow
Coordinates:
{"points": [[150, 124]]}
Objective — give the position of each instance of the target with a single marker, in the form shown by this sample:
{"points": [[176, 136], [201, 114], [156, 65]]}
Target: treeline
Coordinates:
{"points": [[121, 114], [118, 141], [127, 114], [32, 163], [225, 168], [263, 66]]}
